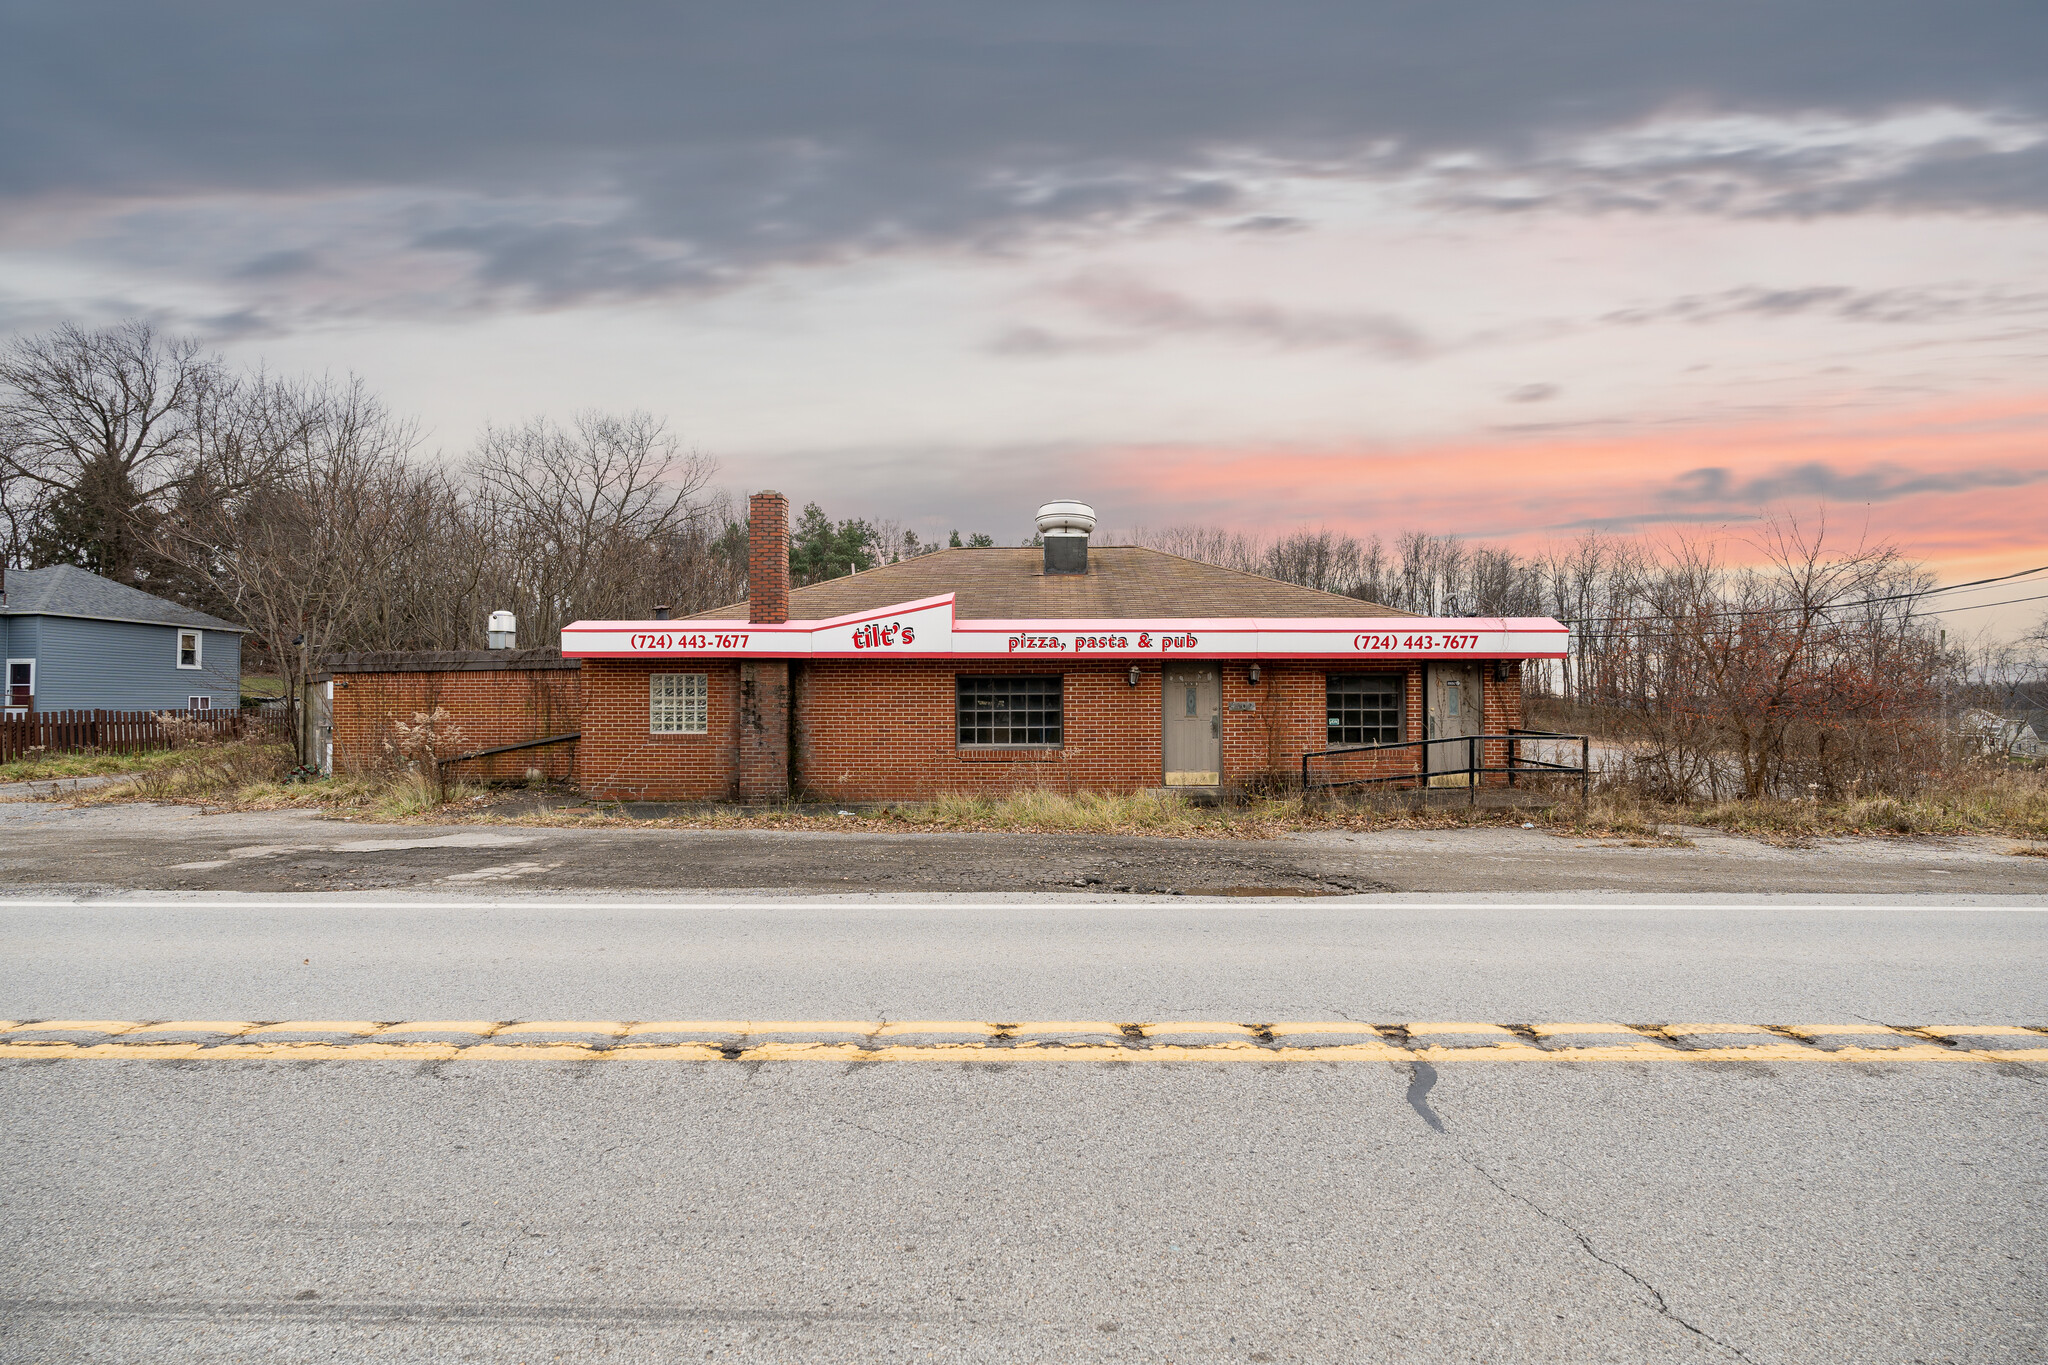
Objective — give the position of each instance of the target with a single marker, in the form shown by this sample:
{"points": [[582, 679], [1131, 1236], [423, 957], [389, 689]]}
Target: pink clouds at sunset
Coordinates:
{"points": [[1465, 270], [1960, 485]]}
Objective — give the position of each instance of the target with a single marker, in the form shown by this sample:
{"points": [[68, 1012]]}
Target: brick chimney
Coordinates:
{"points": [[768, 559]]}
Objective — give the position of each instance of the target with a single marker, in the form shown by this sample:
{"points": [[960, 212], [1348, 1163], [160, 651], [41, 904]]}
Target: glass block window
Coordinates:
{"points": [[1365, 708], [1016, 712], [678, 703]]}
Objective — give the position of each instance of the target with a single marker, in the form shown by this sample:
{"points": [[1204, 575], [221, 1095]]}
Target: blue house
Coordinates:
{"points": [[74, 641]]}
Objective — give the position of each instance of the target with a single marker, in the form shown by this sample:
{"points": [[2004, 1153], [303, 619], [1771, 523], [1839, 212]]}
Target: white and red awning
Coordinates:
{"points": [[926, 629]]}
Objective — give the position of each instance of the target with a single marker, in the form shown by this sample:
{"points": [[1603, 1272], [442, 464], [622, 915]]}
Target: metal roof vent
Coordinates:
{"points": [[1064, 526], [504, 630]]}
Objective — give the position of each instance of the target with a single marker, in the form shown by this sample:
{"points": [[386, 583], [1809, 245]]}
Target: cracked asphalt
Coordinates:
{"points": [[46, 846], [768, 1211]]}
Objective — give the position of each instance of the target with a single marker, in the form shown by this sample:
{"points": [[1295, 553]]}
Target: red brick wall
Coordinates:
{"points": [[1503, 713], [1112, 741], [764, 730], [620, 760], [866, 731], [500, 706], [1298, 693]]}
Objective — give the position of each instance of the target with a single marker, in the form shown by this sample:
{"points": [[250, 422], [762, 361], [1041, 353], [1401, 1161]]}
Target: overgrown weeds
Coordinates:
{"points": [[2013, 803], [43, 767], [1144, 813], [253, 776], [1080, 812], [207, 774], [256, 776]]}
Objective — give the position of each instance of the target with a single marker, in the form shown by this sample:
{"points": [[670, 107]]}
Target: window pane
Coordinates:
{"points": [[678, 703], [1365, 708], [1010, 711]]}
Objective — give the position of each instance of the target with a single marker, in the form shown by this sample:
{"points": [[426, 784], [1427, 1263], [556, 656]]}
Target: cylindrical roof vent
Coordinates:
{"points": [[504, 630], [1064, 526]]}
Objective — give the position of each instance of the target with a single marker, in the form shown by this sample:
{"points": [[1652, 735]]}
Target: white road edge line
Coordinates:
{"points": [[640, 900]]}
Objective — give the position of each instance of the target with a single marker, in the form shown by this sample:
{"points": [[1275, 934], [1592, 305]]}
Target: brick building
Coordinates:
{"points": [[491, 698], [1111, 668]]}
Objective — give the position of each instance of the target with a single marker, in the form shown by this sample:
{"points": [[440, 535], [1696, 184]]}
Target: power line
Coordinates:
{"points": [[1832, 606], [1943, 611], [1668, 633]]}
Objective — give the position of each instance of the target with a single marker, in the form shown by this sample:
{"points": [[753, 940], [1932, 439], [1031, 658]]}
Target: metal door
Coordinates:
{"points": [[1457, 706], [1192, 703]]}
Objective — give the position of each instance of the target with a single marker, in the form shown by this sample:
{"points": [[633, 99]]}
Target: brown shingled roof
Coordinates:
{"points": [[1007, 583]]}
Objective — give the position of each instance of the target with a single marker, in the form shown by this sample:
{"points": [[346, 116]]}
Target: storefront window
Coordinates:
{"points": [[678, 703], [1365, 708], [1014, 712]]}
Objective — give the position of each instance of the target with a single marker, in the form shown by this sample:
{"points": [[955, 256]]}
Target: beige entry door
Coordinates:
{"points": [[1193, 706], [1457, 706]]}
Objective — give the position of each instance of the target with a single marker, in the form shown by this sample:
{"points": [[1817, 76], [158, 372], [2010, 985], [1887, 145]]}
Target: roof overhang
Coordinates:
{"points": [[926, 629], [219, 627]]}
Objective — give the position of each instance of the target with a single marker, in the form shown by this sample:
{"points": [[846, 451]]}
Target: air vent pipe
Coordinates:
{"points": [[1064, 527]]}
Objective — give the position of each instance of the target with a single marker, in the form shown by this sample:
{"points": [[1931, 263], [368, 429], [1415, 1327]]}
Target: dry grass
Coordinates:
{"points": [[1618, 815], [2013, 804], [206, 774], [1055, 812], [90, 763], [2029, 850], [1145, 813], [252, 776]]}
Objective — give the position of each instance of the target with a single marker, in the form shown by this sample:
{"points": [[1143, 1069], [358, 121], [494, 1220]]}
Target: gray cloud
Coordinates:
{"points": [[1830, 169], [1146, 310], [1032, 343], [1816, 479], [1904, 305], [724, 138], [273, 265]]}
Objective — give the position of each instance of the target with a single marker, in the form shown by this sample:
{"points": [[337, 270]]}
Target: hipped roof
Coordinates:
{"points": [[1005, 583], [67, 590]]}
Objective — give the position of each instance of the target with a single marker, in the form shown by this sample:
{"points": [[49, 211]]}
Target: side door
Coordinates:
{"points": [[1191, 703], [1457, 707]]}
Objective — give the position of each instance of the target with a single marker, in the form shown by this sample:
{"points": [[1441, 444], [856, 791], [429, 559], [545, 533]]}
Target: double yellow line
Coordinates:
{"points": [[785, 1040]]}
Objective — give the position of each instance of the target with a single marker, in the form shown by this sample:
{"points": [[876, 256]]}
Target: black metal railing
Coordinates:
{"points": [[1473, 768]]}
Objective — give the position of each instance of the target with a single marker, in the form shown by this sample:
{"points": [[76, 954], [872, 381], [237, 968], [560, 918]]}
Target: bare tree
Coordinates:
{"points": [[1320, 559], [290, 548], [1210, 544], [98, 430], [585, 519]]}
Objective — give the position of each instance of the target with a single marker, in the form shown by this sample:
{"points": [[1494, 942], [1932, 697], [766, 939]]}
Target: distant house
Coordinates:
{"points": [[1992, 733], [77, 642]]}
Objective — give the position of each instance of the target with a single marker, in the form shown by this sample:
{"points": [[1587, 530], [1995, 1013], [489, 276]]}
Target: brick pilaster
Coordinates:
{"points": [[764, 730]]}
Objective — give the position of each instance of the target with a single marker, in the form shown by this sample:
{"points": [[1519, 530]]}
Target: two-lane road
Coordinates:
{"points": [[968, 1130]]}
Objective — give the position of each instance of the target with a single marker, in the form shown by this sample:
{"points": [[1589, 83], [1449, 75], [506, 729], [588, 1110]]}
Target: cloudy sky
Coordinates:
{"points": [[1498, 268]]}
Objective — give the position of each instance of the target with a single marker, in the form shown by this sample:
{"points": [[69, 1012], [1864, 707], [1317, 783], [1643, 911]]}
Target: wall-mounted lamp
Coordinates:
{"points": [[1253, 674], [1134, 675]]}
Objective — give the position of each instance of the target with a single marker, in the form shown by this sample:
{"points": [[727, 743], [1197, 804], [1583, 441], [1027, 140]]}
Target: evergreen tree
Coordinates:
{"points": [[821, 549]]}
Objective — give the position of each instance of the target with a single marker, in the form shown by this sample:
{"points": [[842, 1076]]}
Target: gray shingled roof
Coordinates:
{"points": [[67, 590], [1006, 583]]}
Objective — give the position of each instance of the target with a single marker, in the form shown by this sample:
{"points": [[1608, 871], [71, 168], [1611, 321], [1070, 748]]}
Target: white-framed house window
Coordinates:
{"points": [[191, 644], [678, 703], [198, 703]]}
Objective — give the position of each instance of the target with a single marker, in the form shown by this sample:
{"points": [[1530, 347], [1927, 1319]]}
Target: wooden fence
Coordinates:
{"points": [[125, 732]]}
